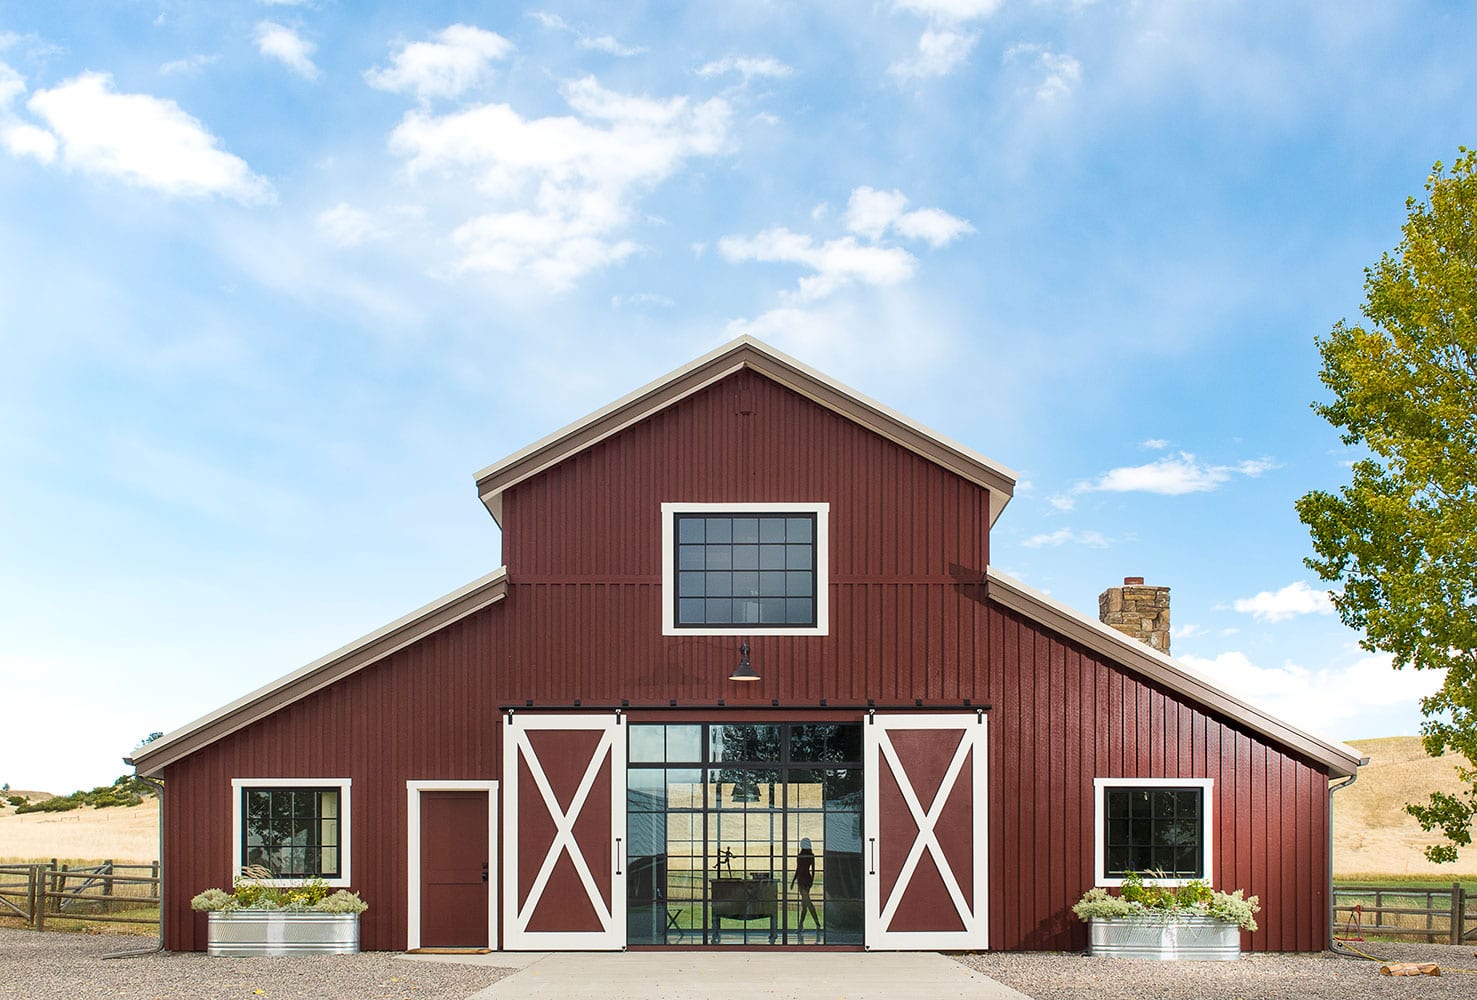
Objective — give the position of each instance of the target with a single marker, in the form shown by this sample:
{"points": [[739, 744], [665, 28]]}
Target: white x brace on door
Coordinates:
{"points": [[564, 781], [926, 831]]}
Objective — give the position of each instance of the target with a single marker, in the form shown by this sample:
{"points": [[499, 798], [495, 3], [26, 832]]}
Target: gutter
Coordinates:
{"points": [[1331, 789], [158, 945]]}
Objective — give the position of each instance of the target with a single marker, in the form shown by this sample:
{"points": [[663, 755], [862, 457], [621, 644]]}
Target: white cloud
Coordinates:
{"points": [[1320, 700], [1297, 598], [871, 213], [277, 41], [747, 67], [836, 263], [1154, 444], [1067, 536], [346, 226], [145, 140], [1172, 476], [940, 52], [189, 64], [459, 59], [1062, 501], [1187, 631], [12, 85], [561, 187], [28, 140], [641, 299], [951, 10], [1057, 74], [844, 261], [608, 44]]}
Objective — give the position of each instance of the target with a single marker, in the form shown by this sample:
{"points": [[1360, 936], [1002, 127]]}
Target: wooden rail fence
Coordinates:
{"points": [[1447, 916], [105, 892]]}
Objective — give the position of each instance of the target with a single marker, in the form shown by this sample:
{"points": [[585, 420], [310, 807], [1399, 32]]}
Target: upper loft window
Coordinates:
{"points": [[1158, 828], [742, 569]]}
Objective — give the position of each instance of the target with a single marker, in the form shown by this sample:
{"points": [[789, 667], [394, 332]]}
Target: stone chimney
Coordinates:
{"points": [[1137, 610]]}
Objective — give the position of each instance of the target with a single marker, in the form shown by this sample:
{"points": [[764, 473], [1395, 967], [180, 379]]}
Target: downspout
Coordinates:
{"points": [[158, 945], [1331, 789]]}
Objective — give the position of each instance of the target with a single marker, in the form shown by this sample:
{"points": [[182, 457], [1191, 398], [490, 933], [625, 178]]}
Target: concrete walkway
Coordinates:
{"points": [[716, 975]]}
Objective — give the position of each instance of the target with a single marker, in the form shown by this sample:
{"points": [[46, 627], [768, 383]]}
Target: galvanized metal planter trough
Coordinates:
{"points": [[241, 933], [1164, 937]]}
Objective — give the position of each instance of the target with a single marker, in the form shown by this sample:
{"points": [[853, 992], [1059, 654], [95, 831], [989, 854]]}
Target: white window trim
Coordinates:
{"points": [[822, 512], [413, 791], [1100, 815], [345, 831]]}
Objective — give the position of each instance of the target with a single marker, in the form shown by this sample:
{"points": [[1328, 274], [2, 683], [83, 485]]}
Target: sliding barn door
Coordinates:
{"points": [[564, 822], [925, 831]]}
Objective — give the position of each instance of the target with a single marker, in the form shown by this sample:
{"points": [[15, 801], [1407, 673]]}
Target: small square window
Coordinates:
{"points": [[745, 568], [295, 828], [1157, 828]]}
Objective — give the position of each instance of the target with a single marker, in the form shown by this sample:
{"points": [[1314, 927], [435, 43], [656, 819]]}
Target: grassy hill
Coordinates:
{"points": [[122, 833], [1372, 833]]}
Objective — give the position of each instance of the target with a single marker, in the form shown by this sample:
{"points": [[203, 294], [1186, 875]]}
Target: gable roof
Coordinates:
{"points": [[755, 355], [151, 758], [1341, 760]]}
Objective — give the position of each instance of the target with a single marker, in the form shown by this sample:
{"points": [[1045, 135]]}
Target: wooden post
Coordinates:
{"points": [[1379, 908], [1456, 912], [33, 894], [42, 877]]}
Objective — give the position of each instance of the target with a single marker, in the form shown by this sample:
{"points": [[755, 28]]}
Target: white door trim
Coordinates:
{"points": [[611, 747], [413, 791], [878, 750]]}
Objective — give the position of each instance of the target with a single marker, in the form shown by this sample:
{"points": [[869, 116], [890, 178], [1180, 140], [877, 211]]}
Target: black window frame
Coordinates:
{"points": [[314, 821], [1142, 825], [814, 596]]}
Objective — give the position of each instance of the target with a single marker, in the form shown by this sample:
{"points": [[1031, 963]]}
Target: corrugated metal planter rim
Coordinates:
{"points": [[1164, 937], [238, 933]]}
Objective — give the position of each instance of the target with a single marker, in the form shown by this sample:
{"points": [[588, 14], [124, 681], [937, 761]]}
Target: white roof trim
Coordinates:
{"points": [[1341, 760], [368, 649], [820, 388]]}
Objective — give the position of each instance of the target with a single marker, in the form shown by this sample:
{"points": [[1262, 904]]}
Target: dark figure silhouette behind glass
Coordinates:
{"points": [[803, 880]]}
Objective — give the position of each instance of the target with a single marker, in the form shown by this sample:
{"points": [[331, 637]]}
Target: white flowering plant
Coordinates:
{"points": [[1195, 898]]}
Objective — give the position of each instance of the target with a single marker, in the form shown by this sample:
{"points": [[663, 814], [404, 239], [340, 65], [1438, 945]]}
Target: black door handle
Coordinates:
{"points": [[484, 871]]}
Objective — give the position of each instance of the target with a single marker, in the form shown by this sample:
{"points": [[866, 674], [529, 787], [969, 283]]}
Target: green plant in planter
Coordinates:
{"points": [[255, 890], [1195, 898]]}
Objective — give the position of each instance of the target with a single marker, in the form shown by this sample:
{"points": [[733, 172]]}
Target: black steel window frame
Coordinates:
{"points": [[1145, 826], [314, 821], [812, 595]]}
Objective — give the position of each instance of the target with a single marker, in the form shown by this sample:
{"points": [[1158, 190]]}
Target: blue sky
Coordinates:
{"points": [[277, 278]]}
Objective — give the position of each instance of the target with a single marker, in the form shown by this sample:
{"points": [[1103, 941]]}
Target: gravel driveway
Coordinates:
{"points": [[58, 966], [1058, 976]]}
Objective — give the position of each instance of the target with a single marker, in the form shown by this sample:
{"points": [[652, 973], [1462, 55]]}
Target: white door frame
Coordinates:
{"points": [[413, 791], [612, 747], [877, 750]]}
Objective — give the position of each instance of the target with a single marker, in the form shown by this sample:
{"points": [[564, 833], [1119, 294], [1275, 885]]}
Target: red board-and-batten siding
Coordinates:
{"points": [[908, 619]]}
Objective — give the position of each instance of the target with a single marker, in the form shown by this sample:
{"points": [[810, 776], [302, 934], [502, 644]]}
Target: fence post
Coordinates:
{"points": [[1457, 912], [33, 901], [43, 876]]}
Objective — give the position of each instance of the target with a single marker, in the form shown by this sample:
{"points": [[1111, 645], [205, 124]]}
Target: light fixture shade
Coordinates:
{"points": [[743, 672]]}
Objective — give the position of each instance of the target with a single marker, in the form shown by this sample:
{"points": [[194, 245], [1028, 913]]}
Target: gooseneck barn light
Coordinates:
{"points": [[744, 672]]}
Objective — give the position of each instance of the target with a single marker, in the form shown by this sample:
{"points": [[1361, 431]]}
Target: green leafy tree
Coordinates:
{"points": [[1401, 537]]}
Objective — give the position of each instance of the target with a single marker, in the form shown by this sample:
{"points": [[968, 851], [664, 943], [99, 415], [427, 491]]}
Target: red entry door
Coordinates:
{"points": [[564, 781], [925, 829], [454, 869]]}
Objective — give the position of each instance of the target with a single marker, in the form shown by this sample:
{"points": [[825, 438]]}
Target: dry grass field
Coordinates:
{"points": [[123, 834], [1372, 833]]}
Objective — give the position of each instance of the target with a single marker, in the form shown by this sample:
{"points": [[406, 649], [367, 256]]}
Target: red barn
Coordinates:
{"points": [[747, 678]]}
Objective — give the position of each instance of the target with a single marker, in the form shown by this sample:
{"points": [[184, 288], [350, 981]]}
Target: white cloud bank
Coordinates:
{"points": [[1297, 598], [563, 187], [747, 67], [1323, 701], [147, 141], [944, 45], [1068, 536], [459, 58], [284, 44]]}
